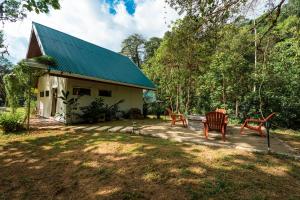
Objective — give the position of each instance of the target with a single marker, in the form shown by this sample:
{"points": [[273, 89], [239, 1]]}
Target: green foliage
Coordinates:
{"points": [[5, 68], [134, 113], [46, 60], [11, 122], [138, 49], [133, 48], [3, 46], [93, 112], [112, 111], [197, 71], [97, 110], [71, 106], [151, 46], [17, 10], [12, 90]]}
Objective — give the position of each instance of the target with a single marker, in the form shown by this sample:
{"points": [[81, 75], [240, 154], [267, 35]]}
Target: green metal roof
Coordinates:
{"points": [[79, 57]]}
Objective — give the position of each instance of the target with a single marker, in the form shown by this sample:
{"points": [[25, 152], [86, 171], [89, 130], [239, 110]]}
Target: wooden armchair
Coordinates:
{"points": [[260, 123], [176, 118], [222, 110], [215, 121]]}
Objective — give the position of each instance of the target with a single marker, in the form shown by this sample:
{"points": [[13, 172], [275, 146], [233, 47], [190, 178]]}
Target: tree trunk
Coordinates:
{"points": [[255, 55], [236, 108], [223, 90], [28, 102], [137, 57], [177, 98], [187, 104]]}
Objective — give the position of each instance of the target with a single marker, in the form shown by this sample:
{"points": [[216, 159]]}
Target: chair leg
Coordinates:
{"points": [[173, 122], [223, 133], [184, 123], [261, 133], [206, 131], [242, 128]]}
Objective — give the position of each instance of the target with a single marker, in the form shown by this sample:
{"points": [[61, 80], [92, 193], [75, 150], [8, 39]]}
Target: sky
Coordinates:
{"points": [[103, 22]]}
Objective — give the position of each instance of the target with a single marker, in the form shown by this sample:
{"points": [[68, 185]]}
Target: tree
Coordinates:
{"points": [[177, 64], [5, 68], [3, 47], [13, 10], [213, 13], [22, 79], [133, 47], [151, 46]]}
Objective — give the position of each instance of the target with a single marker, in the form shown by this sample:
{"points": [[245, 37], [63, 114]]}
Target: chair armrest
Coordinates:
{"points": [[178, 115], [254, 120]]}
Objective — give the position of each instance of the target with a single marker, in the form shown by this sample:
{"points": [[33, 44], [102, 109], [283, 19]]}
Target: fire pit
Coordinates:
{"points": [[195, 122]]}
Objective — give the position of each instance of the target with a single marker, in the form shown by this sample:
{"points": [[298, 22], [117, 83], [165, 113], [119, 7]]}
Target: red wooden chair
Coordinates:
{"points": [[176, 118], [222, 110], [257, 128], [215, 121]]}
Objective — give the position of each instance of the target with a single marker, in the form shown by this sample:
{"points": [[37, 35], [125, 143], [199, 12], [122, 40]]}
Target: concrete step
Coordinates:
{"points": [[127, 129], [90, 128], [115, 129], [103, 128], [79, 128]]}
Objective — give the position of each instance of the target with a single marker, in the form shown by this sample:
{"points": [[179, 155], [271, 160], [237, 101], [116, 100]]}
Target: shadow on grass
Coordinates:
{"points": [[119, 166]]}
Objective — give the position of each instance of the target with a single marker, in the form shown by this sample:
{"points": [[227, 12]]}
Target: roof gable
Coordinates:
{"points": [[78, 57]]}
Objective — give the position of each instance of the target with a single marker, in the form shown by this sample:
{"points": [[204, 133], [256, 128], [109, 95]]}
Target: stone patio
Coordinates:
{"points": [[249, 141]]}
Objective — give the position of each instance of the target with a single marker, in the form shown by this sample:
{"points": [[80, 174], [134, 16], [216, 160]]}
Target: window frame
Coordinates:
{"points": [[108, 93], [82, 93], [42, 94]]}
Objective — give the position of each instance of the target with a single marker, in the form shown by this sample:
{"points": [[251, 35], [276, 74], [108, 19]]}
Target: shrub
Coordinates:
{"points": [[134, 113], [93, 112], [113, 112], [97, 110], [11, 122]]}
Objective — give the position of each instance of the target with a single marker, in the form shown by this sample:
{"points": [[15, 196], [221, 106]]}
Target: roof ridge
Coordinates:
{"points": [[33, 22]]}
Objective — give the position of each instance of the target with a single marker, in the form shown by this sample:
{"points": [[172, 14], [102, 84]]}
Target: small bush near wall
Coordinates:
{"points": [[93, 112], [98, 111], [11, 122], [134, 113]]}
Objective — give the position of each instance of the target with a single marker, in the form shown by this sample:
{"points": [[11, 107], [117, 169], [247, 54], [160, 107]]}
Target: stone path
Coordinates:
{"points": [[249, 141]]}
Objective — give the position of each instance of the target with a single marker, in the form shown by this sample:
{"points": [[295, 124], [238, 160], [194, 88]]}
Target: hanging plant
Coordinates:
{"points": [[46, 60]]}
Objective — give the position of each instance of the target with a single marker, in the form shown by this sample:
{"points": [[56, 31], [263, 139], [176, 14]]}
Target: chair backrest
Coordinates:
{"points": [[221, 110], [269, 117], [215, 120]]}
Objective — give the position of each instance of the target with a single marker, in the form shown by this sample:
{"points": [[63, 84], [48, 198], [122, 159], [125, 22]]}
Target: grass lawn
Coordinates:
{"points": [[292, 137], [67, 165]]}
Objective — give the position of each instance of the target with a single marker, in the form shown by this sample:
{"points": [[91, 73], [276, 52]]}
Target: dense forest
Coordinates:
{"points": [[244, 65]]}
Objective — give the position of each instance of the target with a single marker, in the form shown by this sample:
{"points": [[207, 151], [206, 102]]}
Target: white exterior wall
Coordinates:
{"points": [[133, 97], [44, 104]]}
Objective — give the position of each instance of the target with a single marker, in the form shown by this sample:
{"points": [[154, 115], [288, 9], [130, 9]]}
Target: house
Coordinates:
{"points": [[83, 69]]}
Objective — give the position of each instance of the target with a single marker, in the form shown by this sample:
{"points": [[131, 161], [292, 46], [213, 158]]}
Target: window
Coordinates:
{"points": [[81, 91], [47, 93], [42, 94], [105, 93]]}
